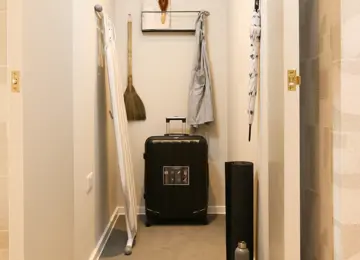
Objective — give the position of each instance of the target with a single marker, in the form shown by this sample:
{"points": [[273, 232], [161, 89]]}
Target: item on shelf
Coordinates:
{"points": [[135, 109], [163, 7], [241, 252], [176, 176]]}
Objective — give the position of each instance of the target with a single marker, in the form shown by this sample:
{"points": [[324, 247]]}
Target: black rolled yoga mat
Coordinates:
{"points": [[239, 188]]}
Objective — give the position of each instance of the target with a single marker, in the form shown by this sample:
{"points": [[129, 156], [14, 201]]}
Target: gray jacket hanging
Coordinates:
{"points": [[200, 103]]}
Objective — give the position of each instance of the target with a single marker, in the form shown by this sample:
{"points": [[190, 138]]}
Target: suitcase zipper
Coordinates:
{"points": [[197, 211], [153, 211]]}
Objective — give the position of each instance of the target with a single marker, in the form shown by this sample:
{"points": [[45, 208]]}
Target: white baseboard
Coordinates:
{"points": [[213, 210], [105, 236], [217, 210]]}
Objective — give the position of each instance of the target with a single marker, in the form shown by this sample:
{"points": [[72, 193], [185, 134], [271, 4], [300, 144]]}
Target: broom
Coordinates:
{"points": [[135, 109]]}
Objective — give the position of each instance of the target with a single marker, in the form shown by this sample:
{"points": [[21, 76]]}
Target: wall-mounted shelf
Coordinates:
{"points": [[176, 21]]}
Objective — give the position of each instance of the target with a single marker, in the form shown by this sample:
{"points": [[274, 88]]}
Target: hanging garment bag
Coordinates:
{"points": [[176, 176]]}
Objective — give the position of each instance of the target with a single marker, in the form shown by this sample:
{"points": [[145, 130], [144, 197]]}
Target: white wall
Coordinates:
{"points": [[162, 82], [238, 147], [275, 106], [93, 138], [270, 138], [345, 70], [107, 178], [4, 140], [162, 67], [262, 166], [238, 48], [54, 138], [48, 130], [64, 53], [15, 162]]}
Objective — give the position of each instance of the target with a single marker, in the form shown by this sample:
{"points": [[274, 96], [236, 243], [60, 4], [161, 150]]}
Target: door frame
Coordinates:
{"points": [[291, 57], [279, 134], [15, 130]]}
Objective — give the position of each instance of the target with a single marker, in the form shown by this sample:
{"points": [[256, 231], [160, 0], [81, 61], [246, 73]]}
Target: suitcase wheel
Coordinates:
{"points": [[205, 221], [148, 223]]}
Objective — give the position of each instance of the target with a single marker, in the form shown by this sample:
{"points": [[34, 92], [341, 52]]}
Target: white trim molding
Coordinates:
{"points": [[105, 236]]}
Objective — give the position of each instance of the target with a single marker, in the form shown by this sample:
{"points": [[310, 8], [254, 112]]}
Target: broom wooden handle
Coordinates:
{"points": [[129, 27]]}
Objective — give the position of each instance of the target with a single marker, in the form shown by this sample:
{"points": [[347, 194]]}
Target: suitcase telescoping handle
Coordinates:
{"points": [[176, 118]]}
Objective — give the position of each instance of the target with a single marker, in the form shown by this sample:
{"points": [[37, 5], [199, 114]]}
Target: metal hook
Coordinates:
{"points": [[203, 12], [98, 10]]}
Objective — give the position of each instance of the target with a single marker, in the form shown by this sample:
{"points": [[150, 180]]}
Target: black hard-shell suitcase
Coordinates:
{"points": [[176, 177]]}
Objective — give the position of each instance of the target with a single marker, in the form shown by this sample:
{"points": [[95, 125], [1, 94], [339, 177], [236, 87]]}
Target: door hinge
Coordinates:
{"points": [[294, 80], [15, 81]]}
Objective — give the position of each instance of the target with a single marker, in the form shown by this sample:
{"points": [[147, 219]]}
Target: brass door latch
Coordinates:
{"points": [[294, 80], [15, 81]]}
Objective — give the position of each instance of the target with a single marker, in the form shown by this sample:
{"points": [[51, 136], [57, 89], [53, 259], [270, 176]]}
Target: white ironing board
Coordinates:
{"points": [[121, 130]]}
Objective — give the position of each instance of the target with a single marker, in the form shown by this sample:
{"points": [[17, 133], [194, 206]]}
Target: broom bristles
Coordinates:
{"points": [[135, 109]]}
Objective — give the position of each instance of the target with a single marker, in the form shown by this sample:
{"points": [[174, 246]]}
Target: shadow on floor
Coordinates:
{"points": [[210, 219], [161, 241], [116, 244]]}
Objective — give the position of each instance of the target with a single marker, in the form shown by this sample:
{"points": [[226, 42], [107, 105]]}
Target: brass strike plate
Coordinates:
{"points": [[293, 80], [15, 81]]}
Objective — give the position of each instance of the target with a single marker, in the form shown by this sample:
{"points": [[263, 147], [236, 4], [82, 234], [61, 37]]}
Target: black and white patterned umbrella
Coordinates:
{"points": [[255, 34]]}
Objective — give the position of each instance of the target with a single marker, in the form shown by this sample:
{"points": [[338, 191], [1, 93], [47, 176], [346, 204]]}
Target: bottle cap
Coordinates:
{"points": [[242, 245]]}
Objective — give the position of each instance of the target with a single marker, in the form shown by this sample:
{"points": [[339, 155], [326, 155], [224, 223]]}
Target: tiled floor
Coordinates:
{"points": [[170, 242]]}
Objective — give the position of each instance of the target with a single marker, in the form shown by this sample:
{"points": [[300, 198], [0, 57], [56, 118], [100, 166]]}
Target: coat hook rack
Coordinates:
{"points": [[190, 28]]}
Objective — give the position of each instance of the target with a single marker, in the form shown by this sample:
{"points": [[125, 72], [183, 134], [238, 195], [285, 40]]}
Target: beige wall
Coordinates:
{"points": [[61, 104], [58, 117], [15, 158], [238, 148], [48, 138], [4, 202], [107, 178], [238, 19], [275, 120], [94, 150], [346, 137], [94, 144], [163, 81]]}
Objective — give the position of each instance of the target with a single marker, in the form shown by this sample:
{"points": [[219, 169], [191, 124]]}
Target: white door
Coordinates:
{"points": [[291, 132]]}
